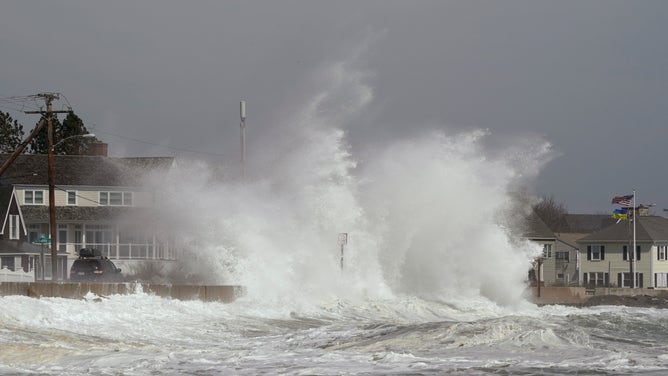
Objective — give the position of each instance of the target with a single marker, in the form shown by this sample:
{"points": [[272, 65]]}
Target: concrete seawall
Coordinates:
{"points": [[77, 290], [229, 293], [582, 295]]}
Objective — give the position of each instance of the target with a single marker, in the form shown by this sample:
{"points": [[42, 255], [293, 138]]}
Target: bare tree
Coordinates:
{"points": [[553, 213]]}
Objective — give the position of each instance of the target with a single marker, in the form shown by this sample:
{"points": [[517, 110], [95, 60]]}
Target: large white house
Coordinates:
{"points": [[608, 259], [100, 203]]}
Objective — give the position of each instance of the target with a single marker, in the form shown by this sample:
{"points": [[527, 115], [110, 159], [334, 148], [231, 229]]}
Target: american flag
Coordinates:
{"points": [[622, 200]]}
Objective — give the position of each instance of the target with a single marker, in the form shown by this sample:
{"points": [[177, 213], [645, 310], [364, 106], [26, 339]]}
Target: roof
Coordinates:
{"points": [[536, 228], [17, 246], [82, 170], [648, 229], [587, 223], [571, 238], [35, 213]]}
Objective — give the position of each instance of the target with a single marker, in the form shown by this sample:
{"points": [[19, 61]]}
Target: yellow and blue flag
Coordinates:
{"points": [[620, 214]]}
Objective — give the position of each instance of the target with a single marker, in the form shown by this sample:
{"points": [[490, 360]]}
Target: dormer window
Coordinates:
{"points": [[33, 197], [71, 197], [115, 198]]}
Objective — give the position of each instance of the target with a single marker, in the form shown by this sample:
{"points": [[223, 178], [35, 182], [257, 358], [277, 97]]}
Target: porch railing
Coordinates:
{"points": [[124, 251]]}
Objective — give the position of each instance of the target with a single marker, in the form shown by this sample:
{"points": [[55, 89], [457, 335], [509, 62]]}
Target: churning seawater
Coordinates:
{"points": [[433, 279], [146, 335]]}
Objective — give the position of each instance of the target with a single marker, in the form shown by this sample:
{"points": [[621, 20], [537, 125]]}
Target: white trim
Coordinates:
{"points": [[13, 198], [14, 227], [123, 195], [67, 197], [33, 197], [599, 246]]}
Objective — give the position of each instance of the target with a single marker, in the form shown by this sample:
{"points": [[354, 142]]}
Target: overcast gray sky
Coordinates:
{"points": [[590, 77]]}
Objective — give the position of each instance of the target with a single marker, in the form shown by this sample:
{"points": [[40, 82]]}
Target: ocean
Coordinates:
{"points": [[140, 334]]}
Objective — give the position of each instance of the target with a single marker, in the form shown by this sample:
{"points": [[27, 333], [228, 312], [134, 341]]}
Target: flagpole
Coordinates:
{"points": [[635, 219]]}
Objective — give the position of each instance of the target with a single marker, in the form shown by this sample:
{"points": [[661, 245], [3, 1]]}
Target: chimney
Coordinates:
{"points": [[643, 211], [98, 148]]}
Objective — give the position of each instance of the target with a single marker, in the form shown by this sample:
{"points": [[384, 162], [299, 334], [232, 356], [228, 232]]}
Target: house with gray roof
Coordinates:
{"points": [[545, 268], [561, 260], [100, 203], [607, 256]]}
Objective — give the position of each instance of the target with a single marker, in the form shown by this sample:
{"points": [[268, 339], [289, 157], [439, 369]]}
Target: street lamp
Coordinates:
{"points": [[87, 135]]}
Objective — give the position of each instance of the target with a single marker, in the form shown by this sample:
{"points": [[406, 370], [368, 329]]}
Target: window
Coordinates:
{"points": [[625, 280], [127, 198], [115, 198], [7, 262], [13, 227], [595, 252], [33, 197], [560, 276], [661, 252], [547, 250], [625, 252], [563, 256], [34, 230], [98, 235], [596, 279], [660, 279], [71, 197], [62, 234]]}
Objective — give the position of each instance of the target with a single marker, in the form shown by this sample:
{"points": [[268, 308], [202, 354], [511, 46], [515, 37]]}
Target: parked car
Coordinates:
{"points": [[91, 266]]}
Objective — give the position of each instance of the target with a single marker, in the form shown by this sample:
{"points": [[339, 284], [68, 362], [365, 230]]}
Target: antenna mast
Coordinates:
{"points": [[242, 125]]}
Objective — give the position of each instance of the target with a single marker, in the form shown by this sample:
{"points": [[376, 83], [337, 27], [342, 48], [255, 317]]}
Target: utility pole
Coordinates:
{"points": [[242, 125], [48, 99], [635, 221]]}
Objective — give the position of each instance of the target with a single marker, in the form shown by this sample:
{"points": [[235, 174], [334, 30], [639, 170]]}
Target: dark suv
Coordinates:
{"points": [[91, 266]]}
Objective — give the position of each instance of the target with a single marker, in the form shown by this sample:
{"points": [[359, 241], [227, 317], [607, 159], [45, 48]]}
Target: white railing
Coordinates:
{"points": [[125, 251], [7, 275]]}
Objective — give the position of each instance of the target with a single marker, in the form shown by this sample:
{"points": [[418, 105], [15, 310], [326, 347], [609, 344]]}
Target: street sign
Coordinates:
{"points": [[43, 240], [343, 238]]}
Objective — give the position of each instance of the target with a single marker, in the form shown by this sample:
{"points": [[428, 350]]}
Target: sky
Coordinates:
{"points": [[155, 78]]}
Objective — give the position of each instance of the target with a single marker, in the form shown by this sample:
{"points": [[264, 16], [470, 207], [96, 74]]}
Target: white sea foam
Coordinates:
{"points": [[422, 214], [143, 334]]}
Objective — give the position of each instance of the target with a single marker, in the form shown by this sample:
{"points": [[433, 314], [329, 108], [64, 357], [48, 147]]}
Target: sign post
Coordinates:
{"points": [[42, 241], [343, 240]]}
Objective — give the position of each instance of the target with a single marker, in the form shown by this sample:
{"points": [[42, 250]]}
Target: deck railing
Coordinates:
{"points": [[124, 251]]}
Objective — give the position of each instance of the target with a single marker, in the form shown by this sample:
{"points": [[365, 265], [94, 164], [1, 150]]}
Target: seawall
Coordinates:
{"points": [[580, 296], [77, 290], [577, 296]]}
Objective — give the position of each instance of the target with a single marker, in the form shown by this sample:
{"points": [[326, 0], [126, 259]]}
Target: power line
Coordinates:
{"points": [[27, 103], [16, 104], [79, 196], [31, 102], [156, 144]]}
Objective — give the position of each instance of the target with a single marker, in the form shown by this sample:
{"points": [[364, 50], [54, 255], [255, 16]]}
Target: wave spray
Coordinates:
{"points": [[424, 215]]}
